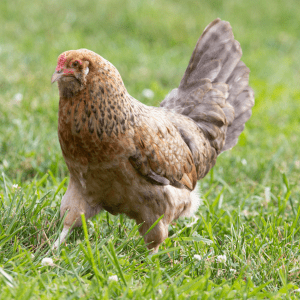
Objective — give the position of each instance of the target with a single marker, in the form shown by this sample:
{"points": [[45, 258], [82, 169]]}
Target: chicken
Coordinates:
{"points": [[126, 157]]}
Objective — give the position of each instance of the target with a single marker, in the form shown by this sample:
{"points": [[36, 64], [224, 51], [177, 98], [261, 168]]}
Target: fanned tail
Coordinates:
{"points": [[214, 90]]}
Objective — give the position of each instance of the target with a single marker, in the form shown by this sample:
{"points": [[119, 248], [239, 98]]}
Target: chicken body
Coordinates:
{"points": [[126, 157]]}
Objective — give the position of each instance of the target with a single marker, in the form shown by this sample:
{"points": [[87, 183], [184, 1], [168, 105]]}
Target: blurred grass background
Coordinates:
{"points": [[150, 42]]}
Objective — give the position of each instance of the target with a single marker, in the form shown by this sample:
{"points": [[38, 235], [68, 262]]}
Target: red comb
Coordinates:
{"points": [[61, 62]]}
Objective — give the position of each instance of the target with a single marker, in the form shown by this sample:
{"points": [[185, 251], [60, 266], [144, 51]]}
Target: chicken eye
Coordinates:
{"points": [[75, 63]]}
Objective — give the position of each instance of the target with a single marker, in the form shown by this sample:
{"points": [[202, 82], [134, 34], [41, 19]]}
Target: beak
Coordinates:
{"points": [[56, 76]]}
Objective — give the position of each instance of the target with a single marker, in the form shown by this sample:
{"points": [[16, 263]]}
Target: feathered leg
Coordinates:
{"points": [[74, 204], [156, 236]]}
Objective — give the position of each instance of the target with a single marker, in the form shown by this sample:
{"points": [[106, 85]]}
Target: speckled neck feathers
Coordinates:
{"points": [[102, 104], [69, 88]]}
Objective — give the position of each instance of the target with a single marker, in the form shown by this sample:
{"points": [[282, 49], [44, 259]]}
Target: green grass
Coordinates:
{"points": [[251, 198]]}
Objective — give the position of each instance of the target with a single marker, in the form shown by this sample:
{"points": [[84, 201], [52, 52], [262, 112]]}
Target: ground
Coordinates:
{"points": [[244, 241]]}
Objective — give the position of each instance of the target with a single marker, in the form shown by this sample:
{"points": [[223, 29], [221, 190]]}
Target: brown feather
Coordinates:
{"points": [[126, 157]]}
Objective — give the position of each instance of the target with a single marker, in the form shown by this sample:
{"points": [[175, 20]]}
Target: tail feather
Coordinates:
{"points": [[214, 90], [243, 105], [210, 70], [215, 55]]}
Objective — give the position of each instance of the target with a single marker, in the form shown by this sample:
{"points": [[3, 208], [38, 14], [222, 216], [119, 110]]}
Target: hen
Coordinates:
{"points": [[126, 157]]}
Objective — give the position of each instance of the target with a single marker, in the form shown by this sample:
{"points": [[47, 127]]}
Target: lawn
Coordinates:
{"points": [[244, 240]]}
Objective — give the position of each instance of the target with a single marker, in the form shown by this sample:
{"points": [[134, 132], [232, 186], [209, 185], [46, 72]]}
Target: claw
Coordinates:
{"points": [[154, 250], [61, 237]]}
